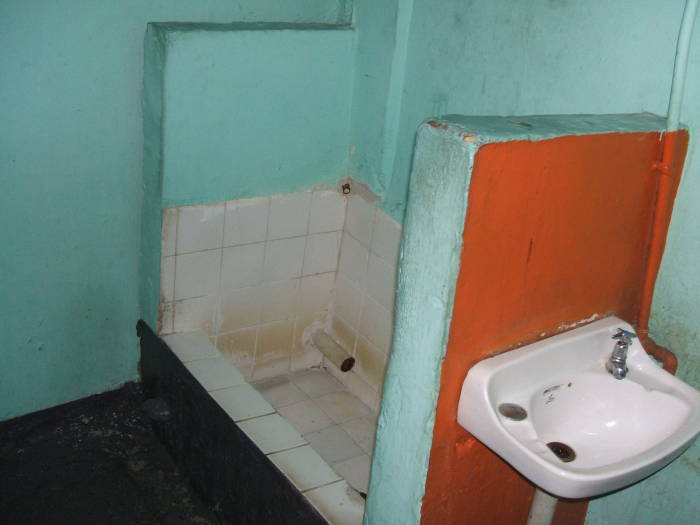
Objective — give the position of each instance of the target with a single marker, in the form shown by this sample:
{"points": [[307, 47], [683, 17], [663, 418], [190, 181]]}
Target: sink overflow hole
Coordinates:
{"points": [[562, 451], [512, 411]]}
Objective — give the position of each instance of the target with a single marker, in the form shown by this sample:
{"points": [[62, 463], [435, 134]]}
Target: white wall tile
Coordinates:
{"points": [[195, 314], [246, 221], [283, 259], [275, 342], [289, 215], [240, 308], [333, 444], [169, 235], [167, 312], [279, 300], [342, 407], [190, 346], [239, 347], [348, 300], [315, 383], [271, 433], [242, 265], [280, 391], [362, 432], [364, 392], [305, 357], [304, 467], [264, 291], [305, 416], [381, 281], [316, 293], [371, 362], [344, 334], [200, 227], [167, 278], [359, 219], [353, 260], [355, 471], [242, 402], [215, 373], [267, 369], [197, 274], [386, 238], [376, 324], [327, 211], [321, 253], [338, 503]]}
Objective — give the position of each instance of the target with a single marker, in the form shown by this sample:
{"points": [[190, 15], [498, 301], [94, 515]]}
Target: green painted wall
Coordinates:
{"points": [[554, 56], [71, 147], [255, 110]]}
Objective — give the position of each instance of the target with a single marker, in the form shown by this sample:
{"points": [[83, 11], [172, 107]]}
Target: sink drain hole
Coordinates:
{"points": [[562, 451], [512, 411]]}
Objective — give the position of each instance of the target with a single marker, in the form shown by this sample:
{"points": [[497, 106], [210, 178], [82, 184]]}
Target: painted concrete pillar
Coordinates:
{"points": [[516, 229]]}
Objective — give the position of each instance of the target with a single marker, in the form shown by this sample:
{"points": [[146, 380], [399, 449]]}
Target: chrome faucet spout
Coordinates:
{"points": [[617, 364]]}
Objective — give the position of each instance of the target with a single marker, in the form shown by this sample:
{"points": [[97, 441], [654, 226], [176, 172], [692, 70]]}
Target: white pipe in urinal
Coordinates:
{"points": [[542, 508]]}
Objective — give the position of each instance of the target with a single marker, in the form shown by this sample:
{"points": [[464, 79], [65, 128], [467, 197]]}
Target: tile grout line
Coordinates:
{"points": [[256, 242], [177, 225], [326, 484], [304, 444], [331, 306], [343, 229], [217, 311], [303, 263], [262, 278]]}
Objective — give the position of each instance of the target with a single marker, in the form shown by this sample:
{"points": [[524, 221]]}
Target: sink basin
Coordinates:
{"points": [[553, 411]]}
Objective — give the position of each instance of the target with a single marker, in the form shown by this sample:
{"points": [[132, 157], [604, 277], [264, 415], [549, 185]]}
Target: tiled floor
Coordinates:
{"points": [[337, 426], [319, 435]]}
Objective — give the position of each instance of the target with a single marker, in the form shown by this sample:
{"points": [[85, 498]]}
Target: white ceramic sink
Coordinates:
{"points": [[618, 431]]}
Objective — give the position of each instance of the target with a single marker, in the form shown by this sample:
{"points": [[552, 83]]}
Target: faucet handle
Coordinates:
{"points": [[623, 335]]}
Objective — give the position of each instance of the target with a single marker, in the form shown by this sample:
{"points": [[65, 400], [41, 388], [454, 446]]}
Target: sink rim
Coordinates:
{"points": [[478, 414], [581, 418]]}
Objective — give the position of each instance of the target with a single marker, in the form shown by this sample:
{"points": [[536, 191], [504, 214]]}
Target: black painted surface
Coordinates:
{"points": [[225, 467], [92, 461]]}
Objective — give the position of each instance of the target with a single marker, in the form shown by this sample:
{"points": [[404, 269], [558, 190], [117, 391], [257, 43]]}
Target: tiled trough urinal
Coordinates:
{"points": [[257, 277]]}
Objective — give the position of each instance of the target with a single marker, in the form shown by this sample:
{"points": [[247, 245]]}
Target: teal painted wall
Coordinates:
{"points": [[255, 111], [70, 184], [71, 157], [372, 115], [546, 56]]}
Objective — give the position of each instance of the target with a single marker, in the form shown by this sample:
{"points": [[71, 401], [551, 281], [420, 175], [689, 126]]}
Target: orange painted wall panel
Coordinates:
{"points": [[556, 230]]}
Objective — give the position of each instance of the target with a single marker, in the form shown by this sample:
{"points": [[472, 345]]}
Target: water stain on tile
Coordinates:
{"points": [[239, 347], [274, 341]]}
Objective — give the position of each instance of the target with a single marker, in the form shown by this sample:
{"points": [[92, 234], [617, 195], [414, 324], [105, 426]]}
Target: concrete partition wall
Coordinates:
{"points": [[532, 198], [239, 110], [255, 109]]}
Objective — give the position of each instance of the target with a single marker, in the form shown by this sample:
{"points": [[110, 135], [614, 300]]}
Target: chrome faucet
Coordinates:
{"points": [[617, 364]]}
